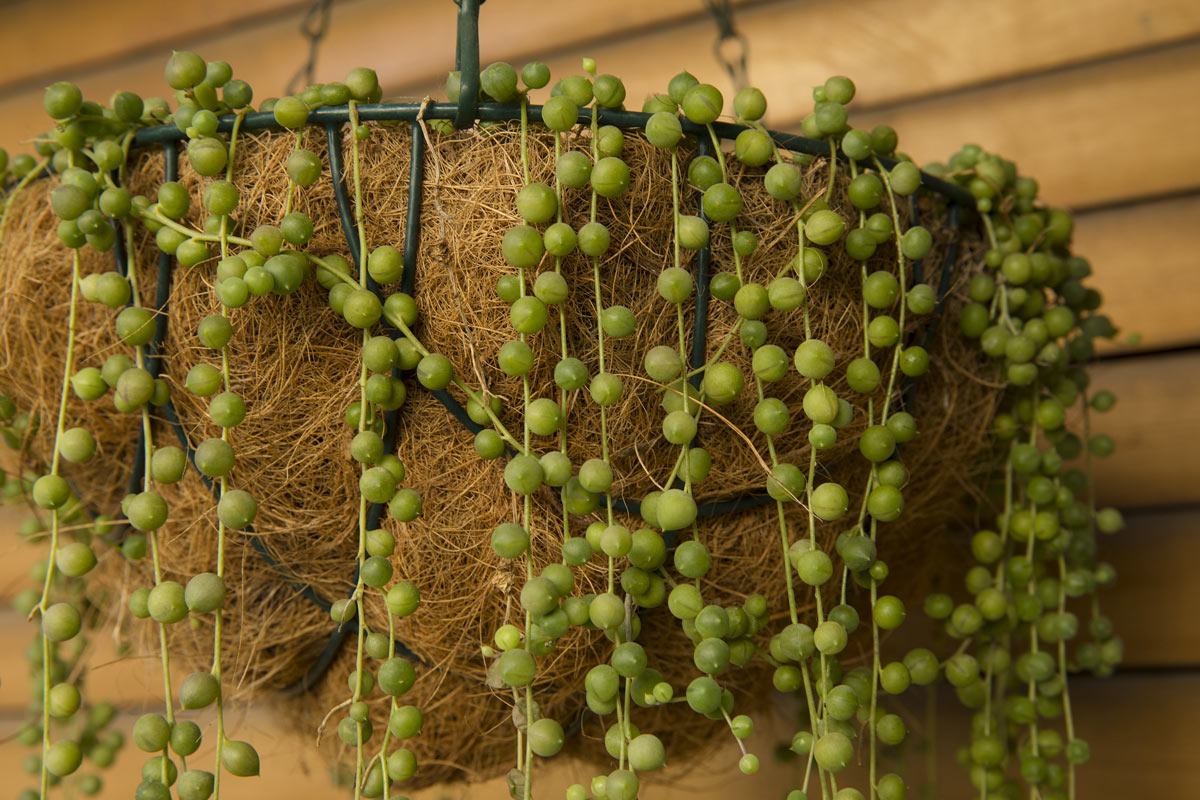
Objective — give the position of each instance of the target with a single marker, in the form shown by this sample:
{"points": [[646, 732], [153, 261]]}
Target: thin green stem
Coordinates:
{"points": [[151, 536], [358, 218], [832, 169], [218, 615], [157, 216], [626, 724], [387, 732], [902, 274], [686, 390], [1068, 717], [887, 397], [716, 143], [817, 706], [1033, 633], [600, 337], [675, 205], [365, 412], [292, 188], [720, 351], [68, 368], [359, 592], [44, 774], [526, 510], [873, 734], [562, 330], [51, 559]]}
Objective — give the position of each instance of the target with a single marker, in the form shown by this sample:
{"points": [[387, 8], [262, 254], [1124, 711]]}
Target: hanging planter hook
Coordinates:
{"points": [[466, 61]]}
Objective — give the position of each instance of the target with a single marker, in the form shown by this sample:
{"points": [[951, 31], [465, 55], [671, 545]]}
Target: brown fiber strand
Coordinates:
{"points": [[296, 364]]}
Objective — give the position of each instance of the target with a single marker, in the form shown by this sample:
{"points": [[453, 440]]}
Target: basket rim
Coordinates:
{"points": [[414, 113]]}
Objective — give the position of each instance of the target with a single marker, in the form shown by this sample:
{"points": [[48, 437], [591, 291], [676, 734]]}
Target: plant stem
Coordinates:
{"points": [[151, 536], [365, 412], [218, 615], [68, 368], [527, 787]]}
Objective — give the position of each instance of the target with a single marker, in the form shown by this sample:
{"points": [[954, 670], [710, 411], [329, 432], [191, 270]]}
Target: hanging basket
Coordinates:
{"points": [[766, 466]]}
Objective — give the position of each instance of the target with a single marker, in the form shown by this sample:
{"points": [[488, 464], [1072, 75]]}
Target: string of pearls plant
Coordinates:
{"points": [[1012, 633]]}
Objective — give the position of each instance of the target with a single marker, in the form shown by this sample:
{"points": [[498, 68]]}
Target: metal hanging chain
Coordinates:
{"points": [[729, 40], [314, 26]]}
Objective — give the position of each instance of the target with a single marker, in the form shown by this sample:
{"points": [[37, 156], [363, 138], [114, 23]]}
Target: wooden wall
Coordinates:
{"points": [[1096, 99]]}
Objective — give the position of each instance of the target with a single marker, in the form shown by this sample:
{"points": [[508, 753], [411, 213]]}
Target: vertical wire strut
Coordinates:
{"points": [[153, 351], [466, 61], [391, 419]]}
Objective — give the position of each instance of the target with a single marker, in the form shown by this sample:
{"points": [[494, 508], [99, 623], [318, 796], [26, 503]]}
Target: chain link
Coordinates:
{"points": [[314, 27], [731, 48]]}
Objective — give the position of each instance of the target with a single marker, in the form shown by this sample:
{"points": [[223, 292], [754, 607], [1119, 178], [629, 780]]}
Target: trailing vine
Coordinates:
{"points": [[1011, 633]]}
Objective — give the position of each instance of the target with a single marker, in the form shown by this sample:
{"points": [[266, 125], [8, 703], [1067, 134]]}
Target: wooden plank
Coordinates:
{"points": [[47, 51], [895, 52], [1146, 269], [1154, 556], [411, 41], [1162, 765], [290, 765], [129, 682], [1154, 423], [1065, 128], [1057, 126], [1113, 715], [126, 681], [16, 556]]}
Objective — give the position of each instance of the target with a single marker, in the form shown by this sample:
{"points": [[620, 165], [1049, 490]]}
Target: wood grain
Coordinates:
{"points": [[1106, 712], [1144, 264], [1155, 557], [895, 52], [1139, 728], [1067, 128], [290, 765], [1022, 90], [411, 41], [39, 48], [130, 682], [1155, 425], [16, 556], [1056, 125]]}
